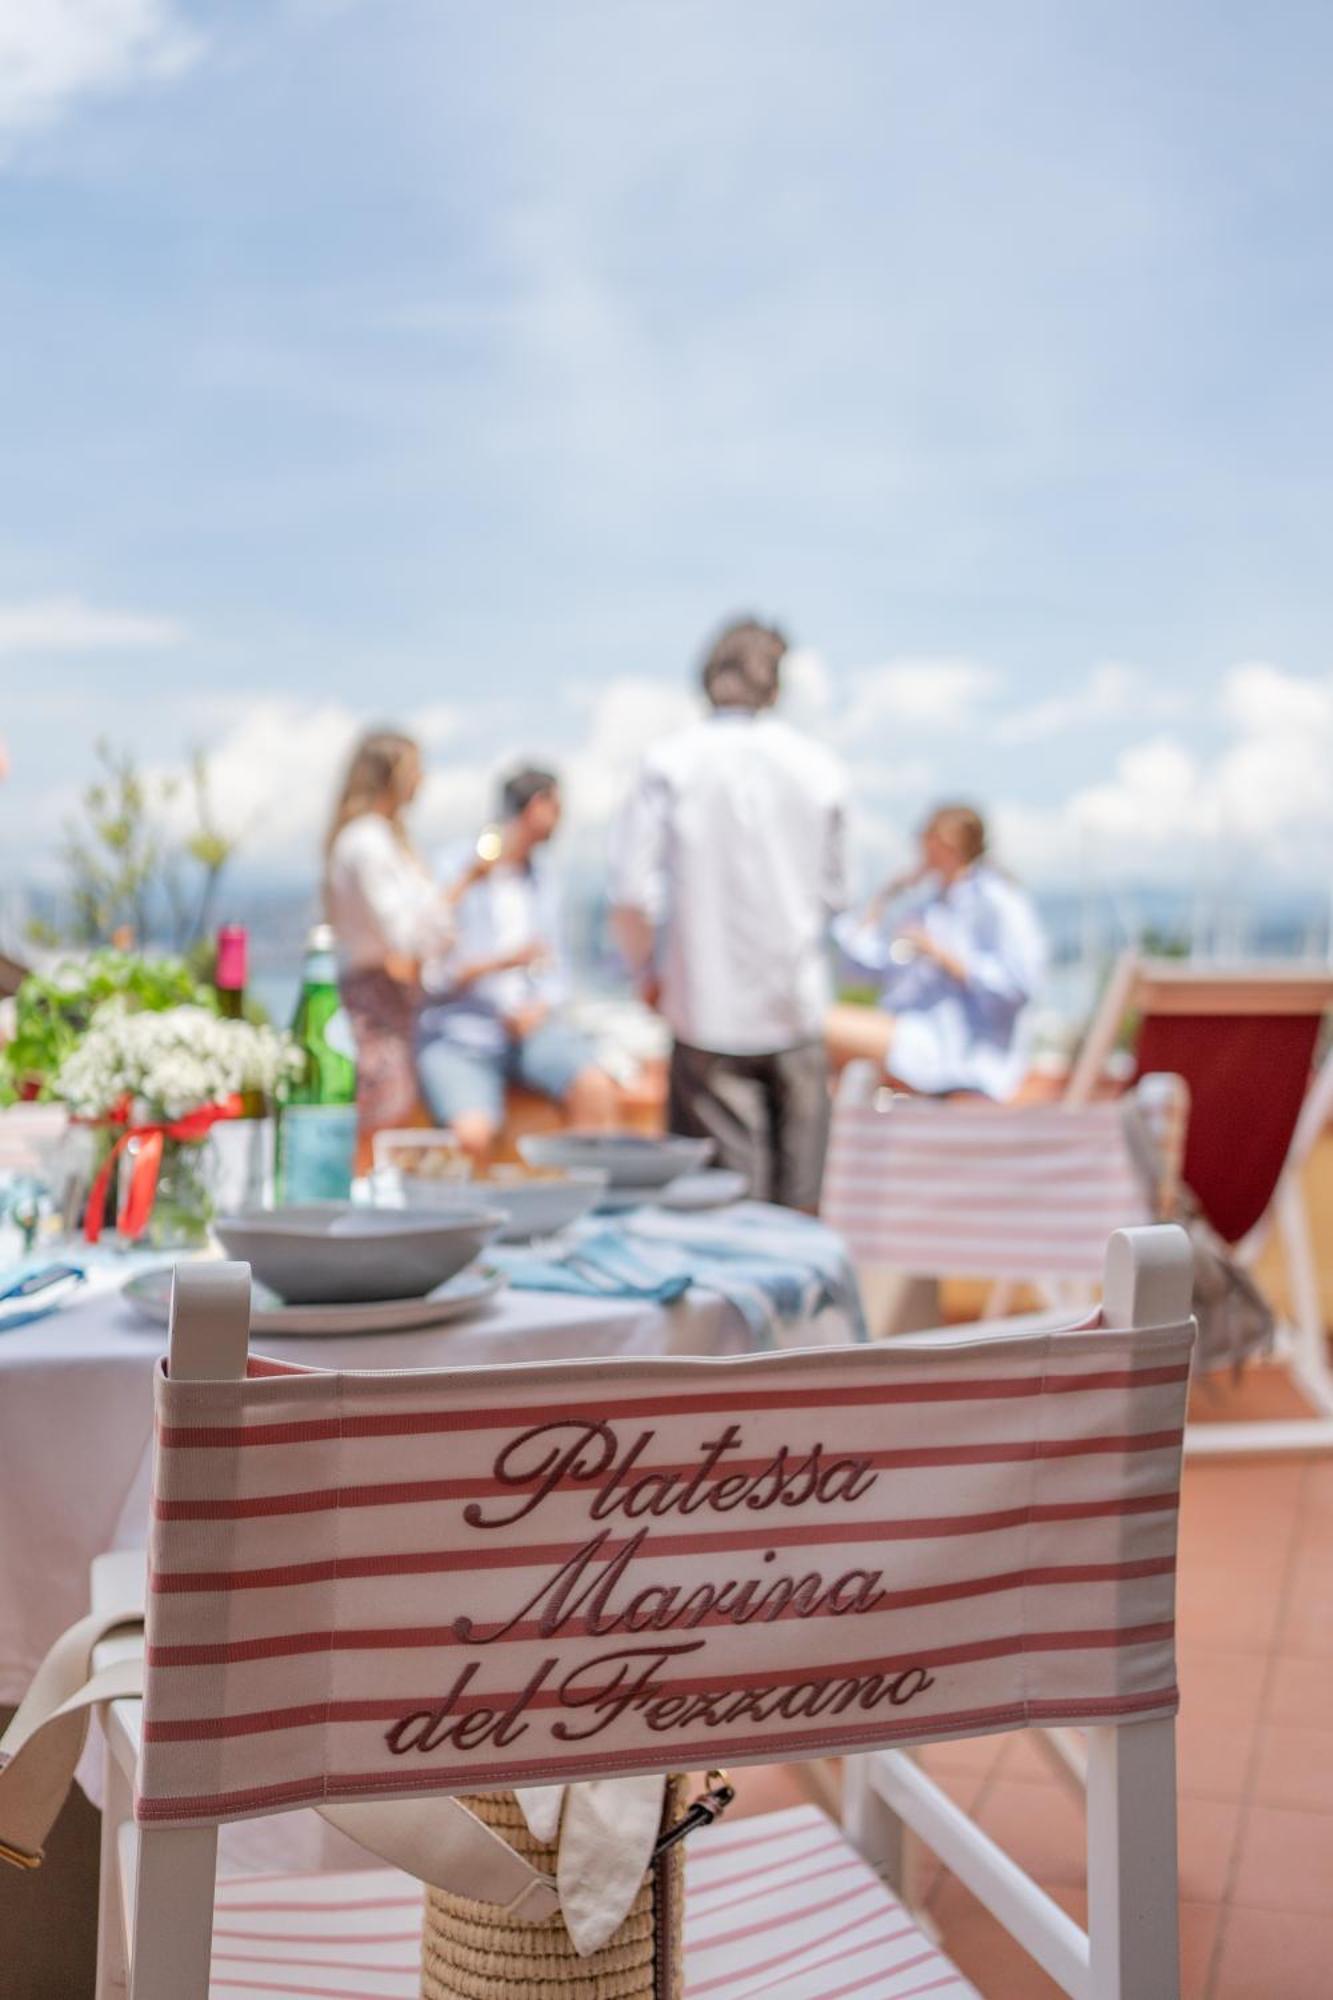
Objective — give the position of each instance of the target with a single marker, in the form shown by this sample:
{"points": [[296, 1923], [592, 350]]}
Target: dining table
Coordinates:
{"points": [[76, 1398], [76, 1408]]}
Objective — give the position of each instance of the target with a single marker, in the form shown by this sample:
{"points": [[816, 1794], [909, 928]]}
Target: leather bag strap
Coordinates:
{"points": [[437, 1840], [40, 1750]]}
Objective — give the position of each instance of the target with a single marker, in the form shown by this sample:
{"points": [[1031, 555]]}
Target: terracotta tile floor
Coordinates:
{"points": [[1256, 1759], [1255, 1739]]}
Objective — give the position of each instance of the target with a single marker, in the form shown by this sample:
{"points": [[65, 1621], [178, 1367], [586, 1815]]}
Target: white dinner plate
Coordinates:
{"points": [[149, 1292], [714, 1187], [631, 1161], [530, 1207]]}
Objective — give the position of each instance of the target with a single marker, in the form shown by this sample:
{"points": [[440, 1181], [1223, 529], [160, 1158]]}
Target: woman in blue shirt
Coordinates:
{"points": [[959, 955]]}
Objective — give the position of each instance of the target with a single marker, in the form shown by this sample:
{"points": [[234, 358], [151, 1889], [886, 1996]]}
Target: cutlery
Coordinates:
{"points": [[62, 1280]]}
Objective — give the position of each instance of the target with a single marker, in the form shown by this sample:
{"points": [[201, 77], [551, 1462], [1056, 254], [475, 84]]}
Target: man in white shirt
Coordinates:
{"points": [[728, 865], [493, 1013]]}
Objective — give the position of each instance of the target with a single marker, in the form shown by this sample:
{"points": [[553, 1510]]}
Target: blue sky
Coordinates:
{"points": [[405, 358]]}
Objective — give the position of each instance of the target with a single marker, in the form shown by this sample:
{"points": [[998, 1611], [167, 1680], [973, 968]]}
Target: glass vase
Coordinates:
{"points": [[183, 1206]]}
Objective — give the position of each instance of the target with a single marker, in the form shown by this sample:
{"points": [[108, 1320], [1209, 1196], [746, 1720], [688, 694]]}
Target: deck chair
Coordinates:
{"points": [[1013, 1194], [1017, 1195], [988, 1530], [1245, 1040]]}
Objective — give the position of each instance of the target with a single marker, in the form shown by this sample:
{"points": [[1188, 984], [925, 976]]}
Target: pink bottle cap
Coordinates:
{"points": [[233, 951]]}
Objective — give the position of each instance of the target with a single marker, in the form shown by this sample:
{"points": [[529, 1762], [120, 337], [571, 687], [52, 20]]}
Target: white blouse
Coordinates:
{"points": [[950, 1036], [382, 902]]}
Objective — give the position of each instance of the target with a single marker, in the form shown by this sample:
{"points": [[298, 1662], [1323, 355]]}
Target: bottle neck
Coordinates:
{"points": [[321, 969], [233, 951]]}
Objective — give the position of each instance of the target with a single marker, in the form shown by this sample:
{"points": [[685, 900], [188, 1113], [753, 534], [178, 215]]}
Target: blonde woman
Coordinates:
{"points": [[387, 914], [957, 950]]}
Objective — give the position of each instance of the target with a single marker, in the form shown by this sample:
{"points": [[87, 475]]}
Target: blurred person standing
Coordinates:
{"points": [[494, 1000], [727, 866], [387, 914], [957, 949]]}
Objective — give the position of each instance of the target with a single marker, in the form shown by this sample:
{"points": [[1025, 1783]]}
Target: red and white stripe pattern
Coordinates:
{"points": [[776, 1906], [324, 1937], [355, 1578], [980, 1190], [782, 1906]]}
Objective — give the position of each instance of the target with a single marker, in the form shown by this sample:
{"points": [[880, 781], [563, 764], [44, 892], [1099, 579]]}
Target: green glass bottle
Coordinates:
{"points": [[317, 1131]]}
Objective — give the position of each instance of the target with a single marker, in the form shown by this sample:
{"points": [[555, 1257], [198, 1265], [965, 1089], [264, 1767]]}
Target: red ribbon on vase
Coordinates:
{"points": [[137, 1206]]}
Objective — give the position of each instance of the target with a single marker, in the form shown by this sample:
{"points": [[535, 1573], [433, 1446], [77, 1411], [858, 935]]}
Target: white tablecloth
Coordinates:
{"points": [[76, 1418]]}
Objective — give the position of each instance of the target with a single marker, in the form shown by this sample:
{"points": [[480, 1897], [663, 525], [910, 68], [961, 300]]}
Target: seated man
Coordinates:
{"points": [[491, 1007]]}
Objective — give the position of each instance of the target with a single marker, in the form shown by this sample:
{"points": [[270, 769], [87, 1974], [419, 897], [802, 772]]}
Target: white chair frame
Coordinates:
{"points": [[1130, 1950], [1173, 986]]}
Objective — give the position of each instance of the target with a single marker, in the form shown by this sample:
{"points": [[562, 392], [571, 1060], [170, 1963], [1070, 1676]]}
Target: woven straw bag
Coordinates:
{"points": [[474, 1951]]}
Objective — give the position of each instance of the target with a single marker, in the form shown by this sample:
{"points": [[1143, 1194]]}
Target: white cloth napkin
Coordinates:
{"points": [[608, 1829]]}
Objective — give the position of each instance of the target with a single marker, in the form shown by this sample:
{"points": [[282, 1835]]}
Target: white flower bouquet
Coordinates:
{"points": [[161, 1082], [138, 1068]]}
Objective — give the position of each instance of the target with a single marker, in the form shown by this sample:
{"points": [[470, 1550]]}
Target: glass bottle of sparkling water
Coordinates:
{"points": [[317, 1132]]}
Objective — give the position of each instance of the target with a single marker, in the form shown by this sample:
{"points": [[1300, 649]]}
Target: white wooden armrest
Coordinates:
{"points": [[1026, 1911], [117, 1579], [127, 1849]]}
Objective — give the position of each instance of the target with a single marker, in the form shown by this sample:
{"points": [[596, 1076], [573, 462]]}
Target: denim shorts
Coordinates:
{"points": [[455, 1079]]}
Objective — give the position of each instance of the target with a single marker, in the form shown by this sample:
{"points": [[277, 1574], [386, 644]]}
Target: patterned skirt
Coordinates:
{"points": [[383, 1012]]}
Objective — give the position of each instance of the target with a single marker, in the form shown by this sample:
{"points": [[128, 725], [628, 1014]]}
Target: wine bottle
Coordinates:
{"points": [[230, 971], [317, 1130]]}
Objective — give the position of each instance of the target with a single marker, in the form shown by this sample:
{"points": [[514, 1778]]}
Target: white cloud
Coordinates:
{"points": [[1169, 809], [917, 693], [1159, 796], [272, 773], [274, 768], [65, 625], [808, 689], [437, 725], [1275, 785], [1110, 693], [454, 801], [53, 52], [623, 717], [274, 764], [1260, 699]]}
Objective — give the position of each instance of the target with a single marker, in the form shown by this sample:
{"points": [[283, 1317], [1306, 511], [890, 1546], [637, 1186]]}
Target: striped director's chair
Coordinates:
{"points": [[925, 1188], [353, 1598]]}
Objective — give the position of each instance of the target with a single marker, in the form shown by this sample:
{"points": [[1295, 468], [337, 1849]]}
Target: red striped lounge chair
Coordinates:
{"points": [[1246, 1041]]}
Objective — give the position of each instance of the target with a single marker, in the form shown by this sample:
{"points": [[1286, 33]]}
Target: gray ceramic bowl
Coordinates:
{"points": [[626, 1158], [529, 1208], [331, 1253]]}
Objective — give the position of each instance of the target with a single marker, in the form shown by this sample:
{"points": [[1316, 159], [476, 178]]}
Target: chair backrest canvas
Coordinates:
{"points": [[1244, 1040], [986, 1190], [378, 1584]]}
